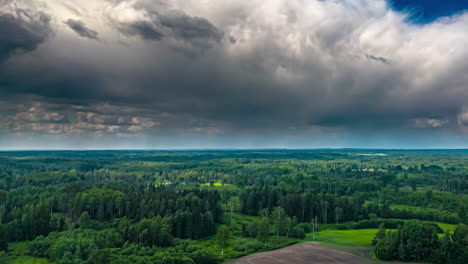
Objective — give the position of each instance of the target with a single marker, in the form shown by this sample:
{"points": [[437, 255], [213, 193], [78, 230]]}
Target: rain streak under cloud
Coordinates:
{"points": [[230, 74]]}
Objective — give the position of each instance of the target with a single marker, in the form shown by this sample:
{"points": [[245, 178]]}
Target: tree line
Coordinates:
{"points": [[418, 241]]}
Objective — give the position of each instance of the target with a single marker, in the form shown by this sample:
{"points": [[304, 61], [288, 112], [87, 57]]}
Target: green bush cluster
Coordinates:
{"points": [[418, 241]]}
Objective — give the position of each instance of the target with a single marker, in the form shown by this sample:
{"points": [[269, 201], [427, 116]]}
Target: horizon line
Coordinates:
{"points": [[221, 149]]}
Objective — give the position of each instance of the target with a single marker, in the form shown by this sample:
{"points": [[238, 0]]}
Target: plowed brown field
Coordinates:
{"points": [[305, 253]]}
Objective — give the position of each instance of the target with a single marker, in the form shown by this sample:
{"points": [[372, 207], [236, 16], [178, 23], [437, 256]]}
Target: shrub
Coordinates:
{"points": [[298, 232], [342, 227], [375, 222], [306, 227], [204, 257], [39, 246], [101, 256], [246, 245], [414, 240]]}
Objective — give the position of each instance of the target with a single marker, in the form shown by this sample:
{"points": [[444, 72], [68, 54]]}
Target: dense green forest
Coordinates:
{"points": [[209, 206]]}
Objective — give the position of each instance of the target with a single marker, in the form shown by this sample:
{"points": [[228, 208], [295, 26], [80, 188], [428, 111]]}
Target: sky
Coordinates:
{"points": [[182, 74], [426, 11]]}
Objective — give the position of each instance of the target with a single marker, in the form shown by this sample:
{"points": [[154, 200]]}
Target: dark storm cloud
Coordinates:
{"points": [[80, 28], [189, 28], [145, 30], [197, 31], [379, 59], [22, 33], [67, 80], [237, 68]]}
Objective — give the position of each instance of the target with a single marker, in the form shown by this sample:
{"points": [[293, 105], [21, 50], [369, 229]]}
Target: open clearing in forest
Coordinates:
{"points": [[305, 253], [353, 237]]}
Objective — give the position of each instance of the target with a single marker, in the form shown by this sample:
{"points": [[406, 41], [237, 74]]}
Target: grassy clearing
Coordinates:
{"points": [[449, 227], [358, 237], [219, 186], [215, 184], [17, 255], [158, 183]]}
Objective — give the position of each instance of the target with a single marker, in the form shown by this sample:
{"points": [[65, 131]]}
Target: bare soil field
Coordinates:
{"points": [[305, 253]]}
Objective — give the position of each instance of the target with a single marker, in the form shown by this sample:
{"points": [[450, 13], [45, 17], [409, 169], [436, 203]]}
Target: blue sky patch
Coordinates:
{"points": [[426, 11]]}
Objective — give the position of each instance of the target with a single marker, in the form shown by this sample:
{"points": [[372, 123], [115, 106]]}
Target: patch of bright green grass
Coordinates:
{"points": [[216, 184], [220, 186], [163, 182], [358, 237], [449, 227], [17, 254]]}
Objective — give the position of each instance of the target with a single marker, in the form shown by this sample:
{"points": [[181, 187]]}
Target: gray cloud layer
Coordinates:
{"points": [[293, 71], [81, 29], [22, 32]]}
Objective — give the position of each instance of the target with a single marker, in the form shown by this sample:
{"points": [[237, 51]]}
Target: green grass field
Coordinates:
{"points": [[449, 227], [17, 255], [359, 237]]}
